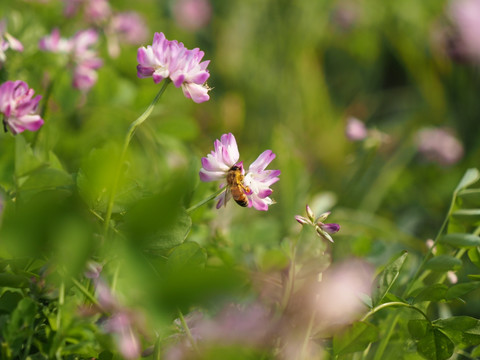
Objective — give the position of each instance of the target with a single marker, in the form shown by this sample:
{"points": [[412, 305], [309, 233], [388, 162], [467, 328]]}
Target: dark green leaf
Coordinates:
{"points": [[9, 301], [471, 176], [459, 290], [475, 354], [418, 328], [385, 280], [356, 338], [443, 263], [13, 281], [188, 254], [434, 292], [474, 276], [460, 240], [435, 345], [474, 256], [463, 330]]}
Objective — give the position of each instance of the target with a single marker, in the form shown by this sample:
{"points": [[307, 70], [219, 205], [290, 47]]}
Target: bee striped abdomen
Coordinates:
{"points": [[236, 187]]}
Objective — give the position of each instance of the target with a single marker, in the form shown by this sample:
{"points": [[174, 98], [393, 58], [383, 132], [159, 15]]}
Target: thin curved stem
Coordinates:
{"points": [[131, 131], [204, 201], [393, 303]]}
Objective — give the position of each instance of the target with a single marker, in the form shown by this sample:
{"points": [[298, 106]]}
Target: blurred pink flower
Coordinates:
{"points": [[18, 107], [192, 14], [466, 14], [79, 50], [338, 294], [439, 145], [127, 27], [121, 326], [170, 59], [247, 325], [355, 130], [95, 11], [323, 230], [7, 41], [255, 183]]}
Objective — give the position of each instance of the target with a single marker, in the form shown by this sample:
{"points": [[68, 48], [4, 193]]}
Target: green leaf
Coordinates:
{"points": [[467, 215], [474, 276], [459, 290], [460, 240], [418, 328], [443, 263], [434, 292], [9, 301], [471, 176], [188, 254], [471, 196], [435, 345], [475, 353], [463, 330], [356, 338], [474, 256], [385, 280], [273, 259], [13, 281]]}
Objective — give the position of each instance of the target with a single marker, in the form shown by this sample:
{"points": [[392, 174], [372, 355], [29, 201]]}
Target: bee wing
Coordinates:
{"points": [[224, 197]]}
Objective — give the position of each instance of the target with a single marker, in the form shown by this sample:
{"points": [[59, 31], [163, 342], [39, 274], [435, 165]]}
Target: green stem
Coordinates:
{"points": [[412, 281], [204, 201], [393, 303], [187, 332], [289, 286], [303, 352], [128, 138], [85, 292], [386, 338]]}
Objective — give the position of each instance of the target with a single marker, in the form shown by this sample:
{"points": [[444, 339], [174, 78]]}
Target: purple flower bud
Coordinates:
{"points": [[301, 219], [330, 228]]}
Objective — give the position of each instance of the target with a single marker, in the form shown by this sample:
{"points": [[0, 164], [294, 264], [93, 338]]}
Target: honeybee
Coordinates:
{"points": [[236, 187]]}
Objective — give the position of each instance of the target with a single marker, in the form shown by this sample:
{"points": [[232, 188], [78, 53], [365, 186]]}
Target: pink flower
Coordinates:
{"points": [[18, 107], [121, 325], [7, 41], [170, 59], [128, 27], [466, 14], [95, 11], [323, 230], [338, 294], [255, 184], [355, 130], [439, 145], [192, 14], [79, 50]]}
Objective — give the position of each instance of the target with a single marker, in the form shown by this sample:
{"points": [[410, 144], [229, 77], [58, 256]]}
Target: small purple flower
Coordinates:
{"points": [[170, 59], [256, 181], [7, 41], [323, 230], [82, 57], [439, 145], [18, 107]]}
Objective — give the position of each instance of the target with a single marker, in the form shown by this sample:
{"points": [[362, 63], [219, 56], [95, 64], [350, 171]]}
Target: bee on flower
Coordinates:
{"points": [[250, 188]]}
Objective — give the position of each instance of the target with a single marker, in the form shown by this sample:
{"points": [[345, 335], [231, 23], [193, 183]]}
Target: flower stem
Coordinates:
{"points": [[204, 201], [187, 332], [128, 138], [393, 303]]}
